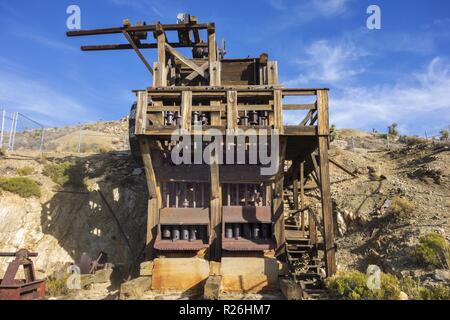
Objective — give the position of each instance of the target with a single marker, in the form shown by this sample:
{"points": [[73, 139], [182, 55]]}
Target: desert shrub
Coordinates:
{"points": [[65, 173], [25, 171], [56, 287], [416, 292], [440, 292], [433, 250], [412, 141], [445, 134], [24, 187], [352, 285], [58, 172], [400, 207], [392, 130]]}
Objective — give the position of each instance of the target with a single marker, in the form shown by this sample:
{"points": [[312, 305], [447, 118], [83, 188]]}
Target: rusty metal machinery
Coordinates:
{"points": [[223, 209], [21, 289]]}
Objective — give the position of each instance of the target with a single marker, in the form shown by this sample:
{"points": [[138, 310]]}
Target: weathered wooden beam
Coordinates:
{"points": [[342, 167], [307, 117], [215, 206], [138, 52], [154, 192], [232, 113], [106, 47], [141, 113], [150, 28], [327, 213], [278, 110], [322, 113], [186, 110], [160, 78], [272, 71], [310, 106], [185, 61], [195, 74]]}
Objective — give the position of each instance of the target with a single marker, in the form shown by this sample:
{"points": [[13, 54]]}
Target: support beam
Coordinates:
{"points": [[327, 212], [232, 113], [154, 202], [272, 71], [161, 74], [138, 52], [278, 110], [185, 61], [141, 112], [195, 74], [216, 216], [186, 110]]}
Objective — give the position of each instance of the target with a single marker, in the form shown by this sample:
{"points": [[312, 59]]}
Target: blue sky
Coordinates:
{"points": [[400, 73]]}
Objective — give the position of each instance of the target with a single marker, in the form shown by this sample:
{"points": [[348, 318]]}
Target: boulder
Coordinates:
{"points": [[212, 288], [135, 289]]}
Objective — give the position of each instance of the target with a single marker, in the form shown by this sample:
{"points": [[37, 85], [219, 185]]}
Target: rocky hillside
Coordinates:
{"points": [[400, 195], [96, 201]]}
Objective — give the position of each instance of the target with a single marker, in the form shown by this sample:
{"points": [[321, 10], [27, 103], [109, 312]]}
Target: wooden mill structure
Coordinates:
{"points": [[219, 219]]}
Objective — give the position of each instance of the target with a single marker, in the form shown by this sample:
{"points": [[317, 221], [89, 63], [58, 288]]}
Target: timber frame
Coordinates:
{"points": [[225, 92]]}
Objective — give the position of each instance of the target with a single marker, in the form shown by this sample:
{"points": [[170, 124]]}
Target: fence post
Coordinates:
{"points": [[3, 128], [42, 140], [13, 115], [14, 132], [79, 141]]}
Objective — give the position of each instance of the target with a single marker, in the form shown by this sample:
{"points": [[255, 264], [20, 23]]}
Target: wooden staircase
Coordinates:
{"points": [[302, 249]]}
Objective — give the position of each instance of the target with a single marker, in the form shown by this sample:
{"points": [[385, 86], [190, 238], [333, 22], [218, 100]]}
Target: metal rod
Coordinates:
{"points": [[11, 130], [202, 190], [41, 145], [14, 132], [3, 128]]}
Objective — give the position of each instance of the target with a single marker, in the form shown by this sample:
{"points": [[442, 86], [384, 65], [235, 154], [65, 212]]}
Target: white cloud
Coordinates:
{"points": [[140, 5], [418, 104], [310, 8], [328, 63], [330, 7], [35, 98]]}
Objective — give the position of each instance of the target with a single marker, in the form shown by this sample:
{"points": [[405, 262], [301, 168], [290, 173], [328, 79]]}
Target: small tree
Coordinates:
{"points": [[392, 130], [333, 132], [445, 134]]}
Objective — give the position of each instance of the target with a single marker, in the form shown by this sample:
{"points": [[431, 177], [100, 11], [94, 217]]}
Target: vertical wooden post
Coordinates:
{"points": [[186, 110], [272, 73], [323, 130], [232, 112], [214, 63], [278, 110], [216, 216], [154, 193], [302, 196], [160, 76], [278, 203], [141, 112]]}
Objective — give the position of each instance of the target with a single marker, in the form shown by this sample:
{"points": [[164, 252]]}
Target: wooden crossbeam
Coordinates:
{"points": [[149, 28], [194, 74], [185, 61], [306, 119], [138, 52]]}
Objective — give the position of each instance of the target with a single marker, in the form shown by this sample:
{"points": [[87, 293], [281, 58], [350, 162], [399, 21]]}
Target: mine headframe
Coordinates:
{"points": [[213, 92]]}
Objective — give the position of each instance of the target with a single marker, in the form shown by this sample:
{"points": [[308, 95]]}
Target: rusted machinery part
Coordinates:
{"points": [[134, 145], [21, 254], [24, 289]]}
